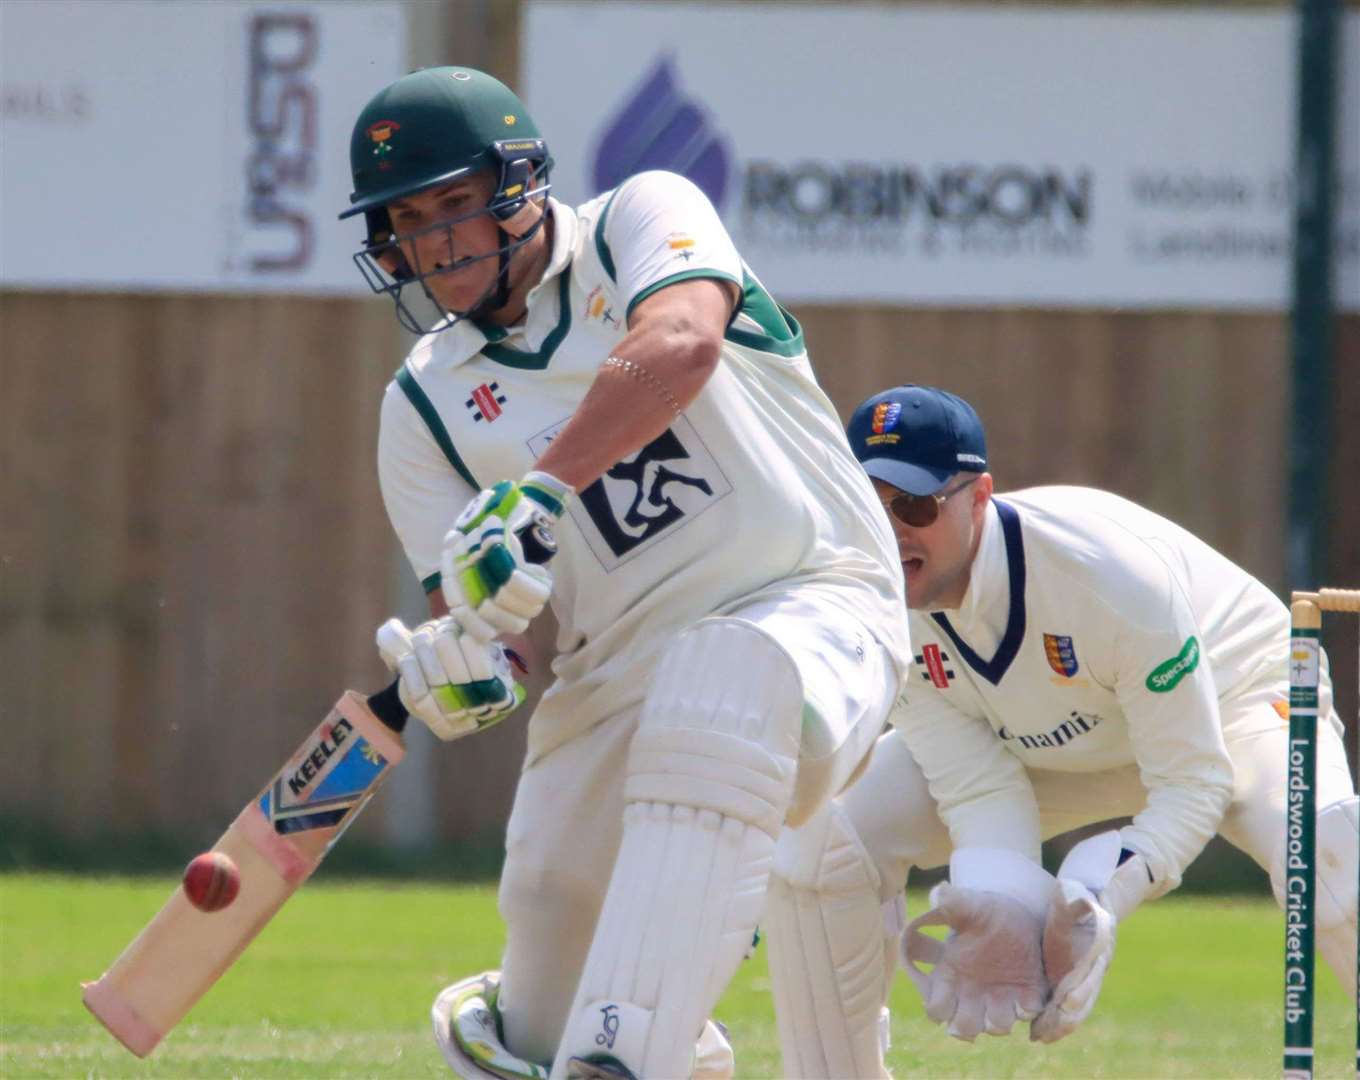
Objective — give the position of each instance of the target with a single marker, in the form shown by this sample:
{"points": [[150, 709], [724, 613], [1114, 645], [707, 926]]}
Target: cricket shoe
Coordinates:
{"points": [[467, 1027]]}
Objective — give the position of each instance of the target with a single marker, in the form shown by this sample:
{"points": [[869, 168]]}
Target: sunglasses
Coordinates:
{"points": [[920, 511]]}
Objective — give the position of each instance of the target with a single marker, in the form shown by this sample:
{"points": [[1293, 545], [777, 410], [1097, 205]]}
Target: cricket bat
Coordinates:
{"points": [[276, 842]]}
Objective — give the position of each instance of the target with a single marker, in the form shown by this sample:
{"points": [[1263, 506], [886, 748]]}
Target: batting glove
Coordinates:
{"points": [[492, 567], [452, 682]]}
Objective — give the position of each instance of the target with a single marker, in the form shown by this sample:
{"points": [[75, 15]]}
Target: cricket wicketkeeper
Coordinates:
{"points": [[1077, 658]]}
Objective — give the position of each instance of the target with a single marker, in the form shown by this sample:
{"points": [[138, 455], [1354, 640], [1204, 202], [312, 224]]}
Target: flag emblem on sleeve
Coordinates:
{"points": [[1062, 655], [486, 402]]}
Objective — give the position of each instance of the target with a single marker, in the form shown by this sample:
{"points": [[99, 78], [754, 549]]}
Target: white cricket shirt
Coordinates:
{"points": [[753, 488], [1094, 634]]}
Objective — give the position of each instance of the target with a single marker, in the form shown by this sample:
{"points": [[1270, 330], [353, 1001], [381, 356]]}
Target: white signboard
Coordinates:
{"points": [[1050, 157], [185, 145]]}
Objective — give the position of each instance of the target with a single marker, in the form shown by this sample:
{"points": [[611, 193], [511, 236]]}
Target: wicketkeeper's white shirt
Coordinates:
{"points": [[1094, 634], [753, 488]]}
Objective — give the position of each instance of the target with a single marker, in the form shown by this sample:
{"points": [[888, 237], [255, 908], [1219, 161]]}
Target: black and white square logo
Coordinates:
{"points": [[657, 491]]}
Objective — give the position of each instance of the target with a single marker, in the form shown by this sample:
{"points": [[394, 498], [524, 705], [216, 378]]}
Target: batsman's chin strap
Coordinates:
{"points": [[497, 294]]}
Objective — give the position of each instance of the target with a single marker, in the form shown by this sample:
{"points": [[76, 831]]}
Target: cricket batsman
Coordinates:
{"points": [[612, 381], [1077, 658]]}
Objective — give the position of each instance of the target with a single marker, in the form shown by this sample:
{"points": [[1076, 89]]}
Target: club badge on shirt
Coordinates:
{"points": [[1062, 655]]}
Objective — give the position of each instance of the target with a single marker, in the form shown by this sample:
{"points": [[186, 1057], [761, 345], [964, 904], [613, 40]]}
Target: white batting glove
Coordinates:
{"points": [[452, 682], [1095, 891], [492, 567], [989, 970]]}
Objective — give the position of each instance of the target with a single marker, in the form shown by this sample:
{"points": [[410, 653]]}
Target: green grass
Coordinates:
{"points": [[339, 984]]}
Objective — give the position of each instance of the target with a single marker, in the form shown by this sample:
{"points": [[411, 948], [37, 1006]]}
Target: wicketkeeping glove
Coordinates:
{"points": [[449, 680], [492, 567], [1099, 884], [1078, 948], [988, 972]]}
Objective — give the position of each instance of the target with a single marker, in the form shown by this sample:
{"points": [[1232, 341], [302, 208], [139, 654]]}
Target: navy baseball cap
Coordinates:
{"points": [[917, 437]]}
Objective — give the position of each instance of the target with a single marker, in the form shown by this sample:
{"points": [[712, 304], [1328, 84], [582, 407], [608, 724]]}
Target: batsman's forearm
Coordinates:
{"points": [[631, 402]]}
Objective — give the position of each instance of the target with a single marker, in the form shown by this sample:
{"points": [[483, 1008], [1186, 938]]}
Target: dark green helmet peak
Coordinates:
{"points": [[432, 127]]}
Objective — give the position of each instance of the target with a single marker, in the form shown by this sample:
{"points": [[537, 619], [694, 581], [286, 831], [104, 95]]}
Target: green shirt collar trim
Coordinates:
{"points": [[537, 361], [424, 407]]}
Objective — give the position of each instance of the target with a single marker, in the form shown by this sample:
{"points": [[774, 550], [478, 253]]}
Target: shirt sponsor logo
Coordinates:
{"points": [[646, 497], [486, 402], [1062, 655], [1076, 725], [1166, 675], [935, 662]]}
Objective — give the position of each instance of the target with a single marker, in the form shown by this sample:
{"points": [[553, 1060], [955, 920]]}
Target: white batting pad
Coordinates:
{"points": [[831, 962], [710, 776]]}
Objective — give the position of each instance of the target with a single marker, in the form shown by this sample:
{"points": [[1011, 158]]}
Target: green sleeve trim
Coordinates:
{"points": [[782, 334], [430, 583], [684, 275], [425, 408], [601, 246], [537, 361]]}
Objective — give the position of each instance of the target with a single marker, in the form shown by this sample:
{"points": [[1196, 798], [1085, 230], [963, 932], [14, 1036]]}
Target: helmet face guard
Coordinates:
{"points": [[386, 268], [432, 128]]}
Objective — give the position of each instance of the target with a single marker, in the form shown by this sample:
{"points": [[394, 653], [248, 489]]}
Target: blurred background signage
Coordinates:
{"points": [[198, 146], [1038, 157]]}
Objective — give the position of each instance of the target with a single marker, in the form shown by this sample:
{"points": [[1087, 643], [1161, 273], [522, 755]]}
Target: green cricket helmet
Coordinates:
{"points": [[428, 129]]}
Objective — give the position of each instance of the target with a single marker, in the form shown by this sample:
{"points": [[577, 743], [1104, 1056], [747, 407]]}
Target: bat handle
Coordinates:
{"points": [[387, 707]]}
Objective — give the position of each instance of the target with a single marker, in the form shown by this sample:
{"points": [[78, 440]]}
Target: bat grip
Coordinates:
{"points": [[387, 707]]}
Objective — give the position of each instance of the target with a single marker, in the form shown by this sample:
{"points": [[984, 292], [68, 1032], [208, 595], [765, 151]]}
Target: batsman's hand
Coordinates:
{"points": [[1078, 948], [452, 682], [989, 970], [493, 567]]}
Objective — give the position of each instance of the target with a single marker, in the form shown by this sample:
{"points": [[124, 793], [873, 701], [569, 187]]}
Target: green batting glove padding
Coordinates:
{"points": [[473, 588], [543, 497], [504, 496], [475, 695], [497, 566]]}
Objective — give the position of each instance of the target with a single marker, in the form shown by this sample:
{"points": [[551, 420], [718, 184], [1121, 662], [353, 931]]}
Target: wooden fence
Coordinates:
{"points": [[193, 552]]}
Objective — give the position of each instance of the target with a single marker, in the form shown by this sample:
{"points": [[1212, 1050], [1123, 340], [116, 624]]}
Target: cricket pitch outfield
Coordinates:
{"points": [[339, 985]]}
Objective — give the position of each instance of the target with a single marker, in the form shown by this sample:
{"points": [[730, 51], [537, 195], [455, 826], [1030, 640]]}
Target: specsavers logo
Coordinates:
{"points": [[1166, 675]]}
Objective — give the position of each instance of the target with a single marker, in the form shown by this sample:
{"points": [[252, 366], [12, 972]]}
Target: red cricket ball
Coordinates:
{"points": [[211, 881]]}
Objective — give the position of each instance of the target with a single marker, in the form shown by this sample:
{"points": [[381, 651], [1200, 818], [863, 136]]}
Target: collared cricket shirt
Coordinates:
{"points": [[752, 488], [1094, 635]]}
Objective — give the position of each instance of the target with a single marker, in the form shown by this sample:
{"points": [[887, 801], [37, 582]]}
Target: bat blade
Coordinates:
{"points": [[277, 841]]}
